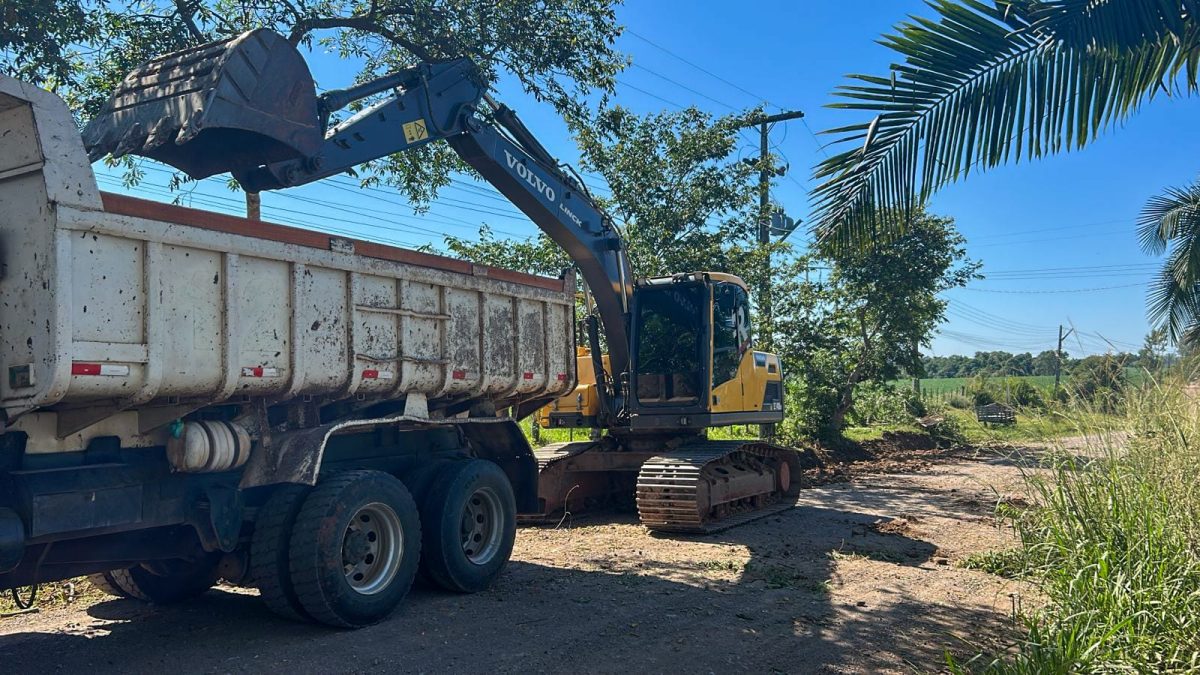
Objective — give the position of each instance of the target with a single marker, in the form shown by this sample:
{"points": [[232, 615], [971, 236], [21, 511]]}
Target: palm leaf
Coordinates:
{"points": [[989, 83], [1171, 222]]}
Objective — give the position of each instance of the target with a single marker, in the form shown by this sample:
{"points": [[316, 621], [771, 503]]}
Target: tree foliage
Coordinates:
{"points": [[537, 255], [685, 200], [559, 50], [985, 83]]}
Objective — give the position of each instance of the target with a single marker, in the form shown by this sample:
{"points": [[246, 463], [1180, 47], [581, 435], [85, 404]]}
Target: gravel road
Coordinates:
{"points": [[860, 577]]}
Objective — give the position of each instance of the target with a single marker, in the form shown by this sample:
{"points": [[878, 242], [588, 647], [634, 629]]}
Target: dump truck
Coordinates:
{"points": [[176, 382], [193, 396]]}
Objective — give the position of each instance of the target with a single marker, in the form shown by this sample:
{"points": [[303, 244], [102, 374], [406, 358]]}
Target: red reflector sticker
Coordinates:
{"points": [[562, 377], [528, 375], [85, 368], [260, 371], [105, 369], [370, 374], [459, 374]]}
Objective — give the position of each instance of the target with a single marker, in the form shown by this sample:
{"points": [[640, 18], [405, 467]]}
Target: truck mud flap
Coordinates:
{"points": [[296, 457]]}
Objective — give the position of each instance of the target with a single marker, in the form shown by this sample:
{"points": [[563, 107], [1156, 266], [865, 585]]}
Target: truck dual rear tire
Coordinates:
{"points": [[354, 548], [469, 523], [270, 548], [160, 583]]}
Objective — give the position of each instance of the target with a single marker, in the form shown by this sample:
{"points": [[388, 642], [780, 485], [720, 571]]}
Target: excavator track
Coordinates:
{"points": [[711, 486]]}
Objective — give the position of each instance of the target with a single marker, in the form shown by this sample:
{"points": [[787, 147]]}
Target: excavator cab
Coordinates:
{"points": [[693, 362]]}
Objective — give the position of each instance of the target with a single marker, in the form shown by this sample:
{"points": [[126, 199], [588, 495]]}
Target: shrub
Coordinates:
{"points": [[878, 403], [958, 401], [1023, 394], [1099, 380], [982, 397]]}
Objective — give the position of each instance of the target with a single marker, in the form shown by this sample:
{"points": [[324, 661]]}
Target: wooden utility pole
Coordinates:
{"points": [[1058, 355], [764, 123], [253, 206]]}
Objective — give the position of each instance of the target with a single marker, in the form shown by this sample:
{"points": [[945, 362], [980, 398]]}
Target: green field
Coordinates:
{"points": [[944, 386], [955, 384]]}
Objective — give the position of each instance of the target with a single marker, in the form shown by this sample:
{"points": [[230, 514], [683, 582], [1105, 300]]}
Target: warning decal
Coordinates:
{"points": [[415, 131]]}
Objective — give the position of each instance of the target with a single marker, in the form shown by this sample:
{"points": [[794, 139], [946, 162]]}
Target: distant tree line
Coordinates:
{"points": [[1153, 355]]}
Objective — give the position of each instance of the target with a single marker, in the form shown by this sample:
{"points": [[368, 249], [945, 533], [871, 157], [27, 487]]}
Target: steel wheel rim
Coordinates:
{"points": [[372, 548], [482, 526]]}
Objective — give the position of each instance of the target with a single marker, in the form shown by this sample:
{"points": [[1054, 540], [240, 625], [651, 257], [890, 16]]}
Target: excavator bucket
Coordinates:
{"points": [[230, 105]]}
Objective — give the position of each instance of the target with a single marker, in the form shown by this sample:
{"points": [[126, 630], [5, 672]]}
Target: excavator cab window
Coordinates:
{"points": [[731, 330], [671, 344]]}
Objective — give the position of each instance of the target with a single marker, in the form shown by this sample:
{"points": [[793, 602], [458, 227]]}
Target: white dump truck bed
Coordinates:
{"points": [[111, 305]]}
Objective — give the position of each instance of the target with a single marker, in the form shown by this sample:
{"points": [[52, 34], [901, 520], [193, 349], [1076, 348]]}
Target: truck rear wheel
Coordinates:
{"points": [[469, 520], [106, 583], [166, 582], [354, 549], [269, 551]]}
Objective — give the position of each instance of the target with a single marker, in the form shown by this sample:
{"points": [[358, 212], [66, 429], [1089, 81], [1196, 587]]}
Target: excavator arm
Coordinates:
{"points": [[267, 143]]}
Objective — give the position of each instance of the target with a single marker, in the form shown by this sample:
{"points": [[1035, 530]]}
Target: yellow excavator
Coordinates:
{"points": [[678, 354]]}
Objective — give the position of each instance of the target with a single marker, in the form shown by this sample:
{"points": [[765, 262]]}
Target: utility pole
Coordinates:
{"points": [[764, 122], [1058, 355]]}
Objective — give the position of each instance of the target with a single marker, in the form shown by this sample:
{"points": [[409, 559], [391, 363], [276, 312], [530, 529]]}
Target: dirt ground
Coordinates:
{"points": [[860, 577]]}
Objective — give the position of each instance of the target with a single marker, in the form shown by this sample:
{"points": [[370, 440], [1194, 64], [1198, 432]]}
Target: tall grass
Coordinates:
{"points": [[1114, 543]]}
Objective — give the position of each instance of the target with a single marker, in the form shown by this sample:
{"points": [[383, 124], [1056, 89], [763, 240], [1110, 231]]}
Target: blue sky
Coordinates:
{"points": [[1056, 236]]}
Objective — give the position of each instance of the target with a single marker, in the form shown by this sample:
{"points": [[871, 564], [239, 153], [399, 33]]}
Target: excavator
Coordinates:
{"points": [[666, 358]]}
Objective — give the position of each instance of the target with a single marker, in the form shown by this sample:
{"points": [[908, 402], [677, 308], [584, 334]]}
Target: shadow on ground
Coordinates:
{"points": [[691, 604]]}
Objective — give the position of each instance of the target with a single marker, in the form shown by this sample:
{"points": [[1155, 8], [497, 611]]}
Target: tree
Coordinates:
{"points": [[1170, 223], [683, 200], [537, 255], [1153, 354], [866, 320], [687, 203], [1045, 362], [35, 38], [1099, 379], [559, 50]]}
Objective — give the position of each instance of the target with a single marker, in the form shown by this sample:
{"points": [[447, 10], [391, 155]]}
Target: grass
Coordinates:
{"points": [[1010, 563], [1114, 544], [1031, 425], [53, 595]]}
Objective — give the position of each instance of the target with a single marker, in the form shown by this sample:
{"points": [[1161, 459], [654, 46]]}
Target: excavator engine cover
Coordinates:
{"points": [[230, 105]]}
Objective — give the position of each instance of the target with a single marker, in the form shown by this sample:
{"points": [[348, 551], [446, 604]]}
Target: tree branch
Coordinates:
{"points": [[368, 23], [185, 12]]}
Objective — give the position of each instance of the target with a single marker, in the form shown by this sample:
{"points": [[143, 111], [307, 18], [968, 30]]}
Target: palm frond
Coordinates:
{"points": [[1168, 216], [985, 84], [1171, 221]]}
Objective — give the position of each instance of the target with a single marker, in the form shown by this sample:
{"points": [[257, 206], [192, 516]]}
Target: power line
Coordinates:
{"points": [[699, 68], [717, 101], [1040, 230], [1064, 290]]}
